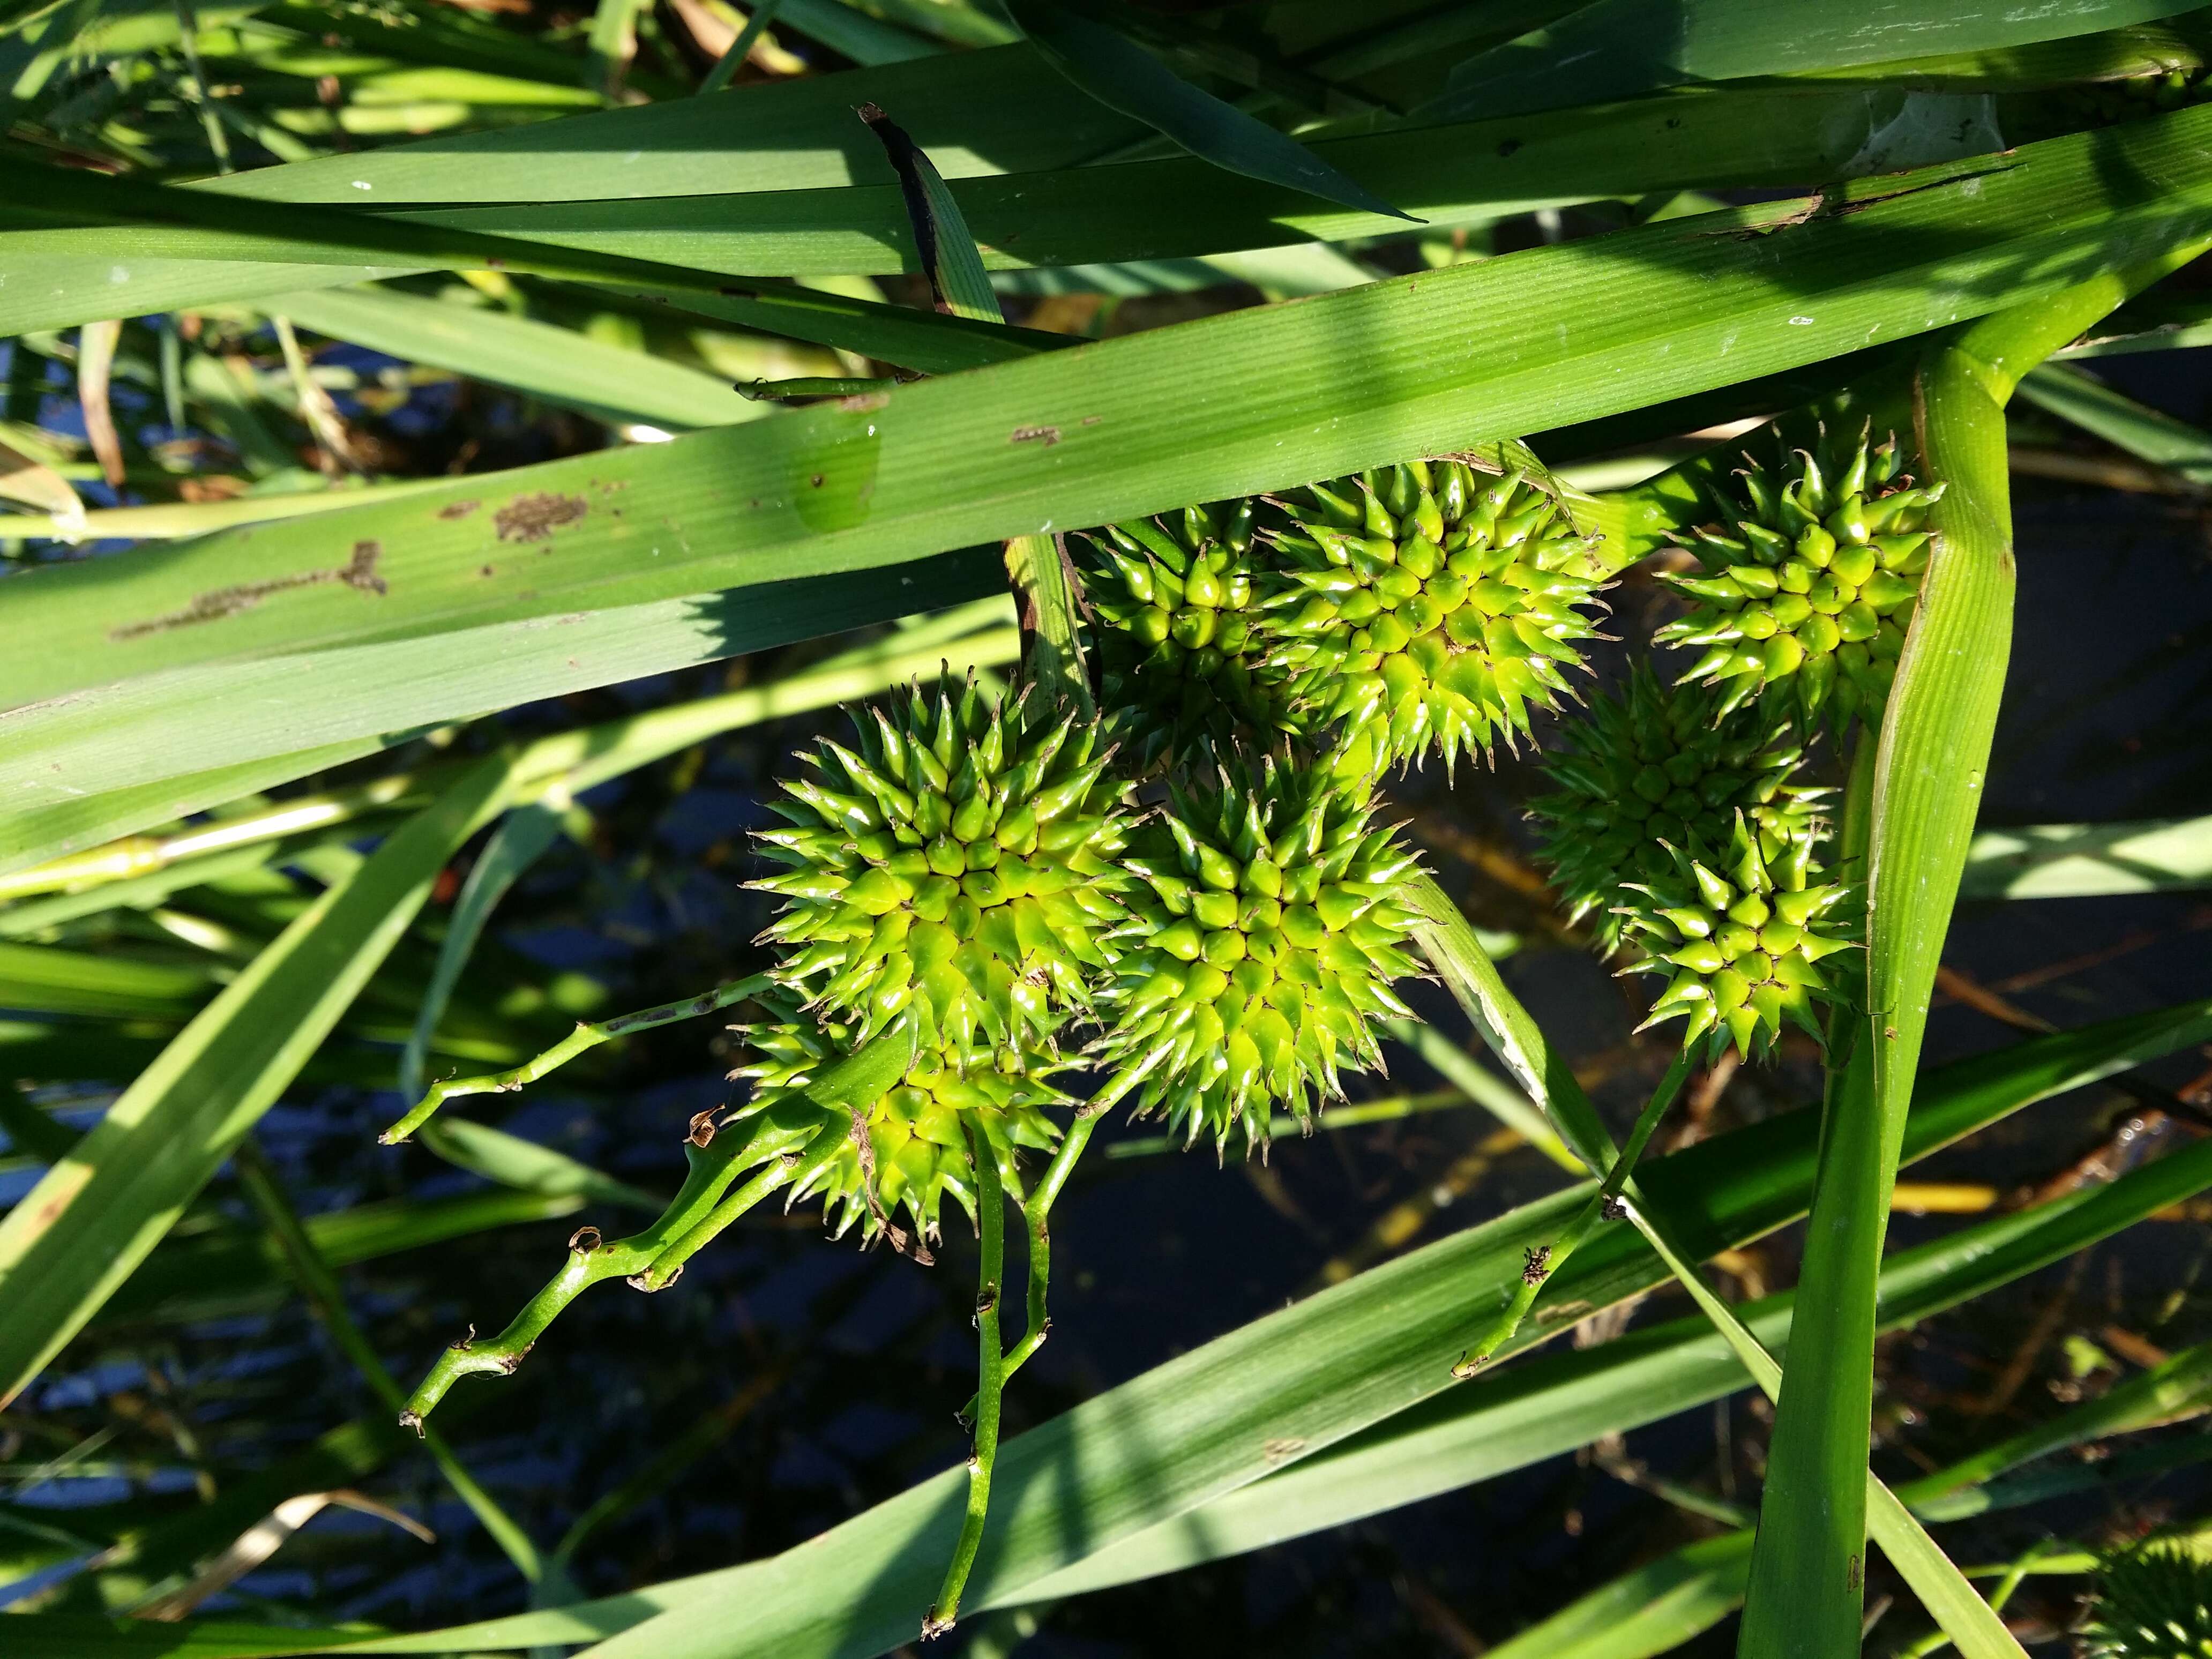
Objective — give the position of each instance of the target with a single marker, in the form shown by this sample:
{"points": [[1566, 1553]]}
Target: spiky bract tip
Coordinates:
{"points": [[2155, 1602], [1740, 937], [1809, 581], [1661, 765], [1426, 607], [918, 1151], [1267, 925], [1177, 600], [960, 867]]}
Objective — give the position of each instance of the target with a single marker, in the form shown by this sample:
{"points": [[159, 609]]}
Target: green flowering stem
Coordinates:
{"points": [[1544, 1262], [990, 1213], [577, 1042], [1034, 1210], [785, 1144], [788, 1170], [1037, 1206], [590, 1260]]}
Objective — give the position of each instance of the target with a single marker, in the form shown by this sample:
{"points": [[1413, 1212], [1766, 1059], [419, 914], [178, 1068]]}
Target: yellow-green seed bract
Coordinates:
{"points": [[1740, 935], [960, 870], [1657, 767], [1426, 607], [1268, 923], [1177, 603], [1810, 582], [918, 1147]]}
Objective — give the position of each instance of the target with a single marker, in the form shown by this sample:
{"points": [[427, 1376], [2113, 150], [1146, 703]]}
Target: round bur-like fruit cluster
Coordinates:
{"points": [[1742, 943], [1809, 582], [1270, 921], [1426, 606], [2153, 1602], [918, 1150], [959, 868], [1177, 600], [1660, 765]]}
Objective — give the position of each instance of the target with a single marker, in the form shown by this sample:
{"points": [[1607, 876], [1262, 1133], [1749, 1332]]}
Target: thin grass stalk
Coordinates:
{"points": [[1968, 1619], [741, 48], [1545, 1261], [319, 1283]]}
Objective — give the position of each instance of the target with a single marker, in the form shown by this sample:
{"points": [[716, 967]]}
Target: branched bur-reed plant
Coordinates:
{"points": [[974, 909], [1193, 900]]}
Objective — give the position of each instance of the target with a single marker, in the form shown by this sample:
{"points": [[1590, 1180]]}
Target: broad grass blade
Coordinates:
{"points": [[1753, 136], [1806, 1594], [1568, 333], [559, 364], [2077, 861], [1617, 48], [2147, 434], [102, 756]]}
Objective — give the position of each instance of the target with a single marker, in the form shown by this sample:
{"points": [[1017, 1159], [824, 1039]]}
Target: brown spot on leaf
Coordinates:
{"points": [[459, 509], [358, 572], [1278, 1451], [535, 517], [1046, 436]]}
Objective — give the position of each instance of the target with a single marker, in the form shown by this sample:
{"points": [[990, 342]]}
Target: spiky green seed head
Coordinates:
{"points": [[2104, 103], [1809, 581], [1177, 604], [1267, 925], [960, 867], [918, 1146], [1662, 765], [1741, 937], [2153, 1602], [1427, 607]]}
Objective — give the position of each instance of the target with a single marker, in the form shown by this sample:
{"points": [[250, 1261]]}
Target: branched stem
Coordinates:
{"points": [[990, 1210], [788, 1169], [1543, 1262], [576, 1042], [1037, 1209], [786, 1143], [591, 1261]]}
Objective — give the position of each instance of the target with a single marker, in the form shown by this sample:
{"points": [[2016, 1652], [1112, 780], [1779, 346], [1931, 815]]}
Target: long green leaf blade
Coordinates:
{"points": [[117, 742], [1126, 77], [1617, 48], [1077, 437]]}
